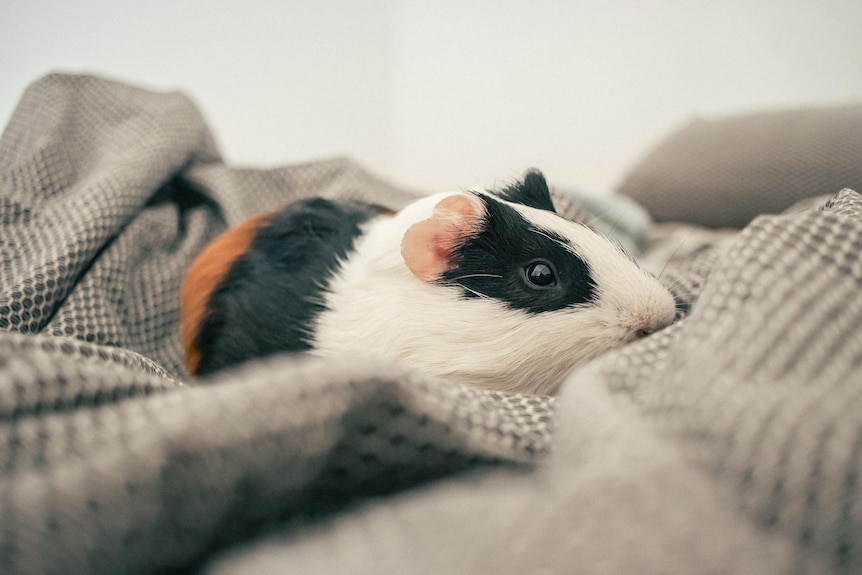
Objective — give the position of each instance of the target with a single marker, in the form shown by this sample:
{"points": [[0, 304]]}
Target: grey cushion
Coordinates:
{"points": [[724, 172]]}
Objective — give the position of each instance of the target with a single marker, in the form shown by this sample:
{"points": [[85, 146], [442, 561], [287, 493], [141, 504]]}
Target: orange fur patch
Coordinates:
{"points": [[205, 274]]}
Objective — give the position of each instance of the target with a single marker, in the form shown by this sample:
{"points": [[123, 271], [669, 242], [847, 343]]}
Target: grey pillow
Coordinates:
{"points": [[724, 172]]}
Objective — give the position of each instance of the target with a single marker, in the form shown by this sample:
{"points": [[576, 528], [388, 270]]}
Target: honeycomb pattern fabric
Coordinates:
{"points": [[727, 443], [779, 413], [730, 442], [109, 461], [761, 385]]}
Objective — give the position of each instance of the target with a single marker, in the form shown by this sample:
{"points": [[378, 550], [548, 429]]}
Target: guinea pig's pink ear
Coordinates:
{"points": [[429, 247]]}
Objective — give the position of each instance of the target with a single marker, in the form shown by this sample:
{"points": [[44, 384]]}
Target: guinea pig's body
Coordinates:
{"points": [[494, 290]]}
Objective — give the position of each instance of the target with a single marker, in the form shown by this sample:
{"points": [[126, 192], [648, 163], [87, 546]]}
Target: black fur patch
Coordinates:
{"points": [[494, 264], [531, 192], [269, 298]]}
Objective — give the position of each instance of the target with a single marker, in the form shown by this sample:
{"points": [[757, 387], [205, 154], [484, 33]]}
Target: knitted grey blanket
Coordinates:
{"points": [[729, 443]]}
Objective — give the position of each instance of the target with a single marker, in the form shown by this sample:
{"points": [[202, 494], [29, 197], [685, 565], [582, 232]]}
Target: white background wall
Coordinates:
{"points": [[449, 93]]}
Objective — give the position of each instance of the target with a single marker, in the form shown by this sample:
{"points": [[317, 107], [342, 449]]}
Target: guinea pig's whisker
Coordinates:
{"points": [[617, 221], [472, 291], [673, 255], [553, 239], [682, 294], [596, 216], [459, 278], [674, 284], [674, 288]]}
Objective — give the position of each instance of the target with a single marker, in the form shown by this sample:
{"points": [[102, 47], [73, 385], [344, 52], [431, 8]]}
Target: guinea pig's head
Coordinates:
{"points": [[533, 294]]}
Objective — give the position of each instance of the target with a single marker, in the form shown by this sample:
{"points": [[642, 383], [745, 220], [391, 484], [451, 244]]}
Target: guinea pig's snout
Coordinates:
{"points": [[647, 323], [643, 332]]}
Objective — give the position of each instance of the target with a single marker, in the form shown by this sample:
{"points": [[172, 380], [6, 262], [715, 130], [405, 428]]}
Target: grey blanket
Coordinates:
{"points": [[729, 443]]}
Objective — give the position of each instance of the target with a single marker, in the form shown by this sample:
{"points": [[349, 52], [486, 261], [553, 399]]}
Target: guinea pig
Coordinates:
{"points": [[493, 289]]}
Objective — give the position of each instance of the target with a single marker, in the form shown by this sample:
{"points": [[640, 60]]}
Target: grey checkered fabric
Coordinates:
{"points": [[728, 443]]}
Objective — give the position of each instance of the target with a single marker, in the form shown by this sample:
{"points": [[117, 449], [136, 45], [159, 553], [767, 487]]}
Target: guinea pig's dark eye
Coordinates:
{"points": [[540, 274]]}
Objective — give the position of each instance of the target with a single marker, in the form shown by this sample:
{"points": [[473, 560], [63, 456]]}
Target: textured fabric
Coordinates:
{"points": [[724, 172], [728, 443], [110, 463]]}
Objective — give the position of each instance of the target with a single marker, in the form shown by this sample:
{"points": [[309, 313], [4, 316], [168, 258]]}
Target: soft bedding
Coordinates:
{"points": [[729, 443]]}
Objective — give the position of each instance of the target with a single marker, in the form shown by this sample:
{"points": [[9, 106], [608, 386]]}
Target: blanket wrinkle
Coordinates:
{"points": [[764, 386], [728, 443]]}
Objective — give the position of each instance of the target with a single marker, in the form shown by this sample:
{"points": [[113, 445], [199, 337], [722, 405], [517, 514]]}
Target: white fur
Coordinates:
{"points": [[377, 306]]}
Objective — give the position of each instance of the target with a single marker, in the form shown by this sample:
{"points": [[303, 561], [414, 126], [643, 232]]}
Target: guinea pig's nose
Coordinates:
{"points": [[643, 332], [647, 322]]}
